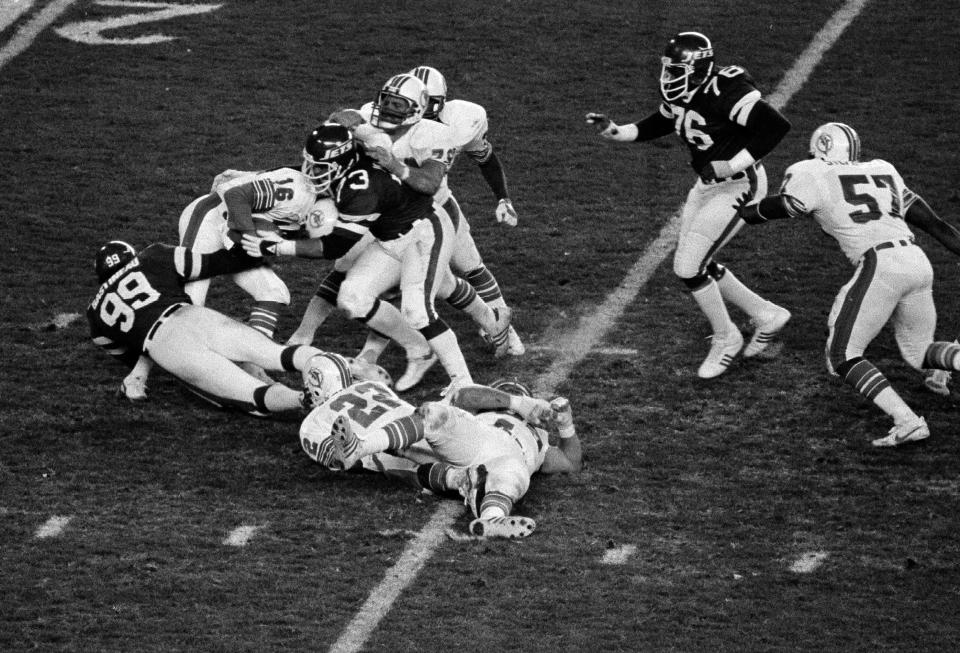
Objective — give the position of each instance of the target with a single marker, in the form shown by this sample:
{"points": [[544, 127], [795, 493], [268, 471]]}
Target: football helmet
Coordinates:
{"points": [[835, 142], [111, 257], [328, 155], [512, 386], [325, 375], [401, 101], [436, 89], [687, 62]]}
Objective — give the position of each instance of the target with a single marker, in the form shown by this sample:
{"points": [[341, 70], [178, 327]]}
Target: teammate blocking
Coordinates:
{"points": [[719, 114]]}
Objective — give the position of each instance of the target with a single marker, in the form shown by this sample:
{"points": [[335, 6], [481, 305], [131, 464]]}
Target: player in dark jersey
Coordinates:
{"points": [[720, 116], [142, 308], [413, 242]]}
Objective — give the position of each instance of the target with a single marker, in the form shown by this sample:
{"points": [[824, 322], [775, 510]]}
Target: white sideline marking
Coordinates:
{"points": [[27, 33], [240, 535], [618, 555], [808, 562], [52, 527], [575, 346]]}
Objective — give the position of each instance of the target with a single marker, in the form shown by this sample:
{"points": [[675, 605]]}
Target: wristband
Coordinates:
{"points": [[286, 248], [566, 432]]}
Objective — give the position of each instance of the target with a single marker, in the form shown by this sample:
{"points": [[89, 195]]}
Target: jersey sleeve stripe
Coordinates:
{"points": [[741, 110], [263, 195]]}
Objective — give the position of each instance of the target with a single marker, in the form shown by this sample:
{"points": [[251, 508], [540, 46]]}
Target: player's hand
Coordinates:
{"points": [[599, 120], [505, 212], [349, 118], [259, 247]]}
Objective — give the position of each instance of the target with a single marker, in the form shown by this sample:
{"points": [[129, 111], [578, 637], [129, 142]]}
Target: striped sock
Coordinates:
{"points": [[942, 356], [485, 284], [264, 317]]}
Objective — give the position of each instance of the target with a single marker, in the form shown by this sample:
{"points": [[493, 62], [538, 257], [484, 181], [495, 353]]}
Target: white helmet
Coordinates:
{"points": [[325, 375], [436, 89], [401, 101], [835, 142]]}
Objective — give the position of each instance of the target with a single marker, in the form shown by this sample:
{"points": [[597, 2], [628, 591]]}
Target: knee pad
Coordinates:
{"points": [[696, 282], [716, 270]]}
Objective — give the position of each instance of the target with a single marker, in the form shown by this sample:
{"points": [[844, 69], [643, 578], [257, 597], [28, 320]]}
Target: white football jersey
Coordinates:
{"points": [[532, 441], [368, 405], [860, 204], [468, 121], [283, 196], [425, 140]]}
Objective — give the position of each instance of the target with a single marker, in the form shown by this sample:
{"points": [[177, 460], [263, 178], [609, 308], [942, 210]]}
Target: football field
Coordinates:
{"points": [[745, 513]]}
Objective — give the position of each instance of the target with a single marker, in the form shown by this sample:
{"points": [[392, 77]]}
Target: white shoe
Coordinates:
{"points": [[134, 388], [722, 353], [365, 371], [912, 431], [767, 329], [417, 367], [936, 381], [510, 527], [346, 445], [256, 372]]}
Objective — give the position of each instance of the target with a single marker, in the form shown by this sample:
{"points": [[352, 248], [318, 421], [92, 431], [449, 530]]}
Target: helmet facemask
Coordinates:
{"points": [[436, 90], [329, 154], [401, 101], [686, 64]]}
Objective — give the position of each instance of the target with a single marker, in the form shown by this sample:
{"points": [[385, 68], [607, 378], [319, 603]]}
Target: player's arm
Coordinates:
{"points": [[493, 173], [192, 265], [769, 208], [920, 215], [475, 398], [242, 202], [425, 179], [567, 455], [331, 246], [766, 126], [655, 125]]}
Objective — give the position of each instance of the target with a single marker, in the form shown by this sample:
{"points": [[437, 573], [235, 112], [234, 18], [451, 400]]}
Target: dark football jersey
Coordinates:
{"points": [[711, 122], [136, 295], [371, 196]]}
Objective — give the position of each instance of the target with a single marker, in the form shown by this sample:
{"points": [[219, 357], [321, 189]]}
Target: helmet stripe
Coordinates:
{"points": [[342, 369], [853, 140]]}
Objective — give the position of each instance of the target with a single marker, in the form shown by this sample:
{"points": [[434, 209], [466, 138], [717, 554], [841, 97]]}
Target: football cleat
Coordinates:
{"points": [[722, 353], [937, 381], [511, 527], [473, 487], [417, 367], [346, 445], [134, 388], [500, 339], [912, 431], [767, 329]]}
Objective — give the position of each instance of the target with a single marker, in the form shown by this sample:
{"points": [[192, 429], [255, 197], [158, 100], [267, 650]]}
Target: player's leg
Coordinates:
{"points": [[861, 309], [463, 297], [182, 347], [490, 490], [467, 263], [424, 260], [324, 301]]}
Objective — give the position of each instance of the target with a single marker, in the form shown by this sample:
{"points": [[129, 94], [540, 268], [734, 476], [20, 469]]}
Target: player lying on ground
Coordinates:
{"points": [[483, 442], [141, 309]]}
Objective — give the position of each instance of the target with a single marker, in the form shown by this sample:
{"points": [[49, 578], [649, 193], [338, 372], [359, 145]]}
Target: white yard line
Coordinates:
{"points": [[240, 536], [52, 527], [28, 32], [618, 555], [808, 562], [11, 10], [574, 347]]}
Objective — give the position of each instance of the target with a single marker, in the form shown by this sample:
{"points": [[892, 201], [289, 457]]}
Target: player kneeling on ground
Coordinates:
{"points": [[483, 442]]}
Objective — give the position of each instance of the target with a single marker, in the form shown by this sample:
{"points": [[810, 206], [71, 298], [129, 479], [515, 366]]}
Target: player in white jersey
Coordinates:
{"points": [[867, 208], [280, 201], [419, 153], [481, 442], [468, 121]]}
